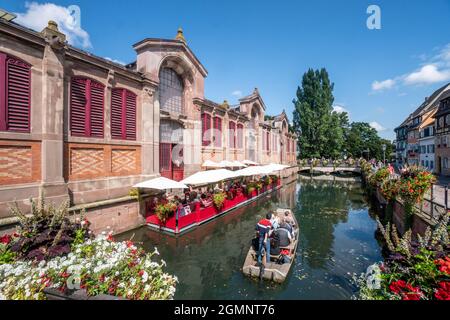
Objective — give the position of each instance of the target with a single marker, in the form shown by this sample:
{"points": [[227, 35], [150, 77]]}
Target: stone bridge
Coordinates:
{"points": [[329, 169]]}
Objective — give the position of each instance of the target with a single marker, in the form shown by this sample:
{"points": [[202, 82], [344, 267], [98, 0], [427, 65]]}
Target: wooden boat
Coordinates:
{"points": [[272, 271]]}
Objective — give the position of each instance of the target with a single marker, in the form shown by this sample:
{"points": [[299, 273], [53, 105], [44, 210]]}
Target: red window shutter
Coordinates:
{"points": [[268, 141], [232, 135], [116, 113], [165, 156], [18, 85], [130, 115], [206, 129], [2, 91], [217, 132], [97, 109], [78, 103]]}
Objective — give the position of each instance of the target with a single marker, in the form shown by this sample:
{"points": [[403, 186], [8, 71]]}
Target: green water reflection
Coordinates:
{"points": [[337, 238]]}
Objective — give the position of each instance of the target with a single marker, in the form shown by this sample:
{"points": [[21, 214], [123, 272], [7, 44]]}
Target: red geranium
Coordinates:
{"points": [[6, 239], [444, 265], [443, 292], [405, 290]]}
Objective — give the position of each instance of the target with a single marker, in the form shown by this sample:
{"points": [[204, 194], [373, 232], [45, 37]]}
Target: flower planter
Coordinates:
{"points": [[53, 294]]}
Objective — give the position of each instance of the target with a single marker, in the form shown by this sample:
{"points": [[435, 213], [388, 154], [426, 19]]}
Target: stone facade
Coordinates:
{"points": [[166, 83]]}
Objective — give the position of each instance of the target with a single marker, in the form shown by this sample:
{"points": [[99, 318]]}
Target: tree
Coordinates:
{"points": [[317, 126], [362, 137]]}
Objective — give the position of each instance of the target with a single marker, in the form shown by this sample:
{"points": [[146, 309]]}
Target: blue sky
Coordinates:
{"points": [[380, 76]]}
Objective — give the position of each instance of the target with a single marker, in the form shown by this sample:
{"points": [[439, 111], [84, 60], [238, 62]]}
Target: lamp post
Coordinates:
{"points": [[383, 146]]}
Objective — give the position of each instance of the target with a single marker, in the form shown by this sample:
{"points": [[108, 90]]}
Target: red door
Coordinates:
{"points": [[167, 167]]}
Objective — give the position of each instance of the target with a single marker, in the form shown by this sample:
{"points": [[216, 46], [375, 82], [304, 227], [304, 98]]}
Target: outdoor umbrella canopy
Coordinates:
{"points": [[211, 164], [250, 162], [161, 183], [210, 176], [276, 166], [227, 164], [238, 164], [253, 171]]}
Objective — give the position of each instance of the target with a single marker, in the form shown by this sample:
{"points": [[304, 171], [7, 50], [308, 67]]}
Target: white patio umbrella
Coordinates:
{"points": [[253, 171], [250, 163], [161, 183], [211, 164], [227, 164], [210, 176], [276, 166], [238, 164]]}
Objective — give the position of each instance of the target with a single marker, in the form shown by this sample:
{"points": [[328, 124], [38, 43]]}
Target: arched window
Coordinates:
{"points": [[240, 136], [232, 135], [15, 94], [171, 91], [86, 107], [123, 114]]}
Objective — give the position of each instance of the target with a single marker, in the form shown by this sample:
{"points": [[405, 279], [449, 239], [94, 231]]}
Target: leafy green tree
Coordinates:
{"points": [[318, 128], [362, 138]]}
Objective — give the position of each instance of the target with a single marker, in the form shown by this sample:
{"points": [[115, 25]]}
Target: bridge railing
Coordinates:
{"points": [[329, 163]]}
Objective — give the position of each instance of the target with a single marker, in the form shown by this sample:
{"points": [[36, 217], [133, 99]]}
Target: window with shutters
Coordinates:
{"points": [[232, 135], [123, 114], [15, 94], [171, 91], [268, 141], [86, 107], [206, 129], [217, 132], [240, 136]]}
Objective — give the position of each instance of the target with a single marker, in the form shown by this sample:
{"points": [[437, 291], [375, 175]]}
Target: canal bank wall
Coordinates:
{"points": [[425, 214], [119, 215]]}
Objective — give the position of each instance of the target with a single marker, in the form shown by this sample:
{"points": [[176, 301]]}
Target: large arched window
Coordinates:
{"points": [[171, 91], [15, 94]]}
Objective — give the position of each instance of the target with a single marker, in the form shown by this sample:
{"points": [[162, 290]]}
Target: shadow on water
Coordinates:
{"points": [[337, 237]]}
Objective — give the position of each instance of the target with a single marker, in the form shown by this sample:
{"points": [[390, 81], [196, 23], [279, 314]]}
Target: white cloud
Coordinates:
{"points": [[382, 85], [434, 69], [339, 109], [37, 16], [380, 110], [428, 74], [115, 61], [377, 126], [237, 93]]}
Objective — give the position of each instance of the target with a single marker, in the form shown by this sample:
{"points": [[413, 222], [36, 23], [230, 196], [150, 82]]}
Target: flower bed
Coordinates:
{"points": [[100, 266], [50, 251], [413, 270]]}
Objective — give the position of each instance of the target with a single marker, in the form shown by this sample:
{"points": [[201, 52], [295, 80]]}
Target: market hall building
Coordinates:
{"points": [[77, 127]]}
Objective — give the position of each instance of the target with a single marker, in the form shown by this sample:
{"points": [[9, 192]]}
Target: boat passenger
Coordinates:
{"points": [[263, 228], [284, 237], [286, 226], [275, 221], [289, 219]]}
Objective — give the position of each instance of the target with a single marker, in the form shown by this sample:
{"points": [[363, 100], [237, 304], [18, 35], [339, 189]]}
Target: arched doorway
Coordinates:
{"points": [[171, 91], [171, 163]]}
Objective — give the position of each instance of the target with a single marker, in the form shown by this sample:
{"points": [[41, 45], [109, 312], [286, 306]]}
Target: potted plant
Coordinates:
{"points": [[219, 199], [163, 211]]}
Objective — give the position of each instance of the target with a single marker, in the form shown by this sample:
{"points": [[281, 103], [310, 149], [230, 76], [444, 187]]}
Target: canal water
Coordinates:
{"points": [[337, 238]]}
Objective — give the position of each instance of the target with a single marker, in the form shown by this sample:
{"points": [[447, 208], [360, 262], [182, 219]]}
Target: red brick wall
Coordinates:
{"points": [[20, 161], [86, 161]]}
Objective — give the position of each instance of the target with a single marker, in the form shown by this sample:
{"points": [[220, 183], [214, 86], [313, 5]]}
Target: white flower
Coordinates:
{"points": [[156, 251], [144, 276]]}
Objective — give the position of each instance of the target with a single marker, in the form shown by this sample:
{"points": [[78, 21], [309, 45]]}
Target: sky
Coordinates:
{"points": [[380, 75]]}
